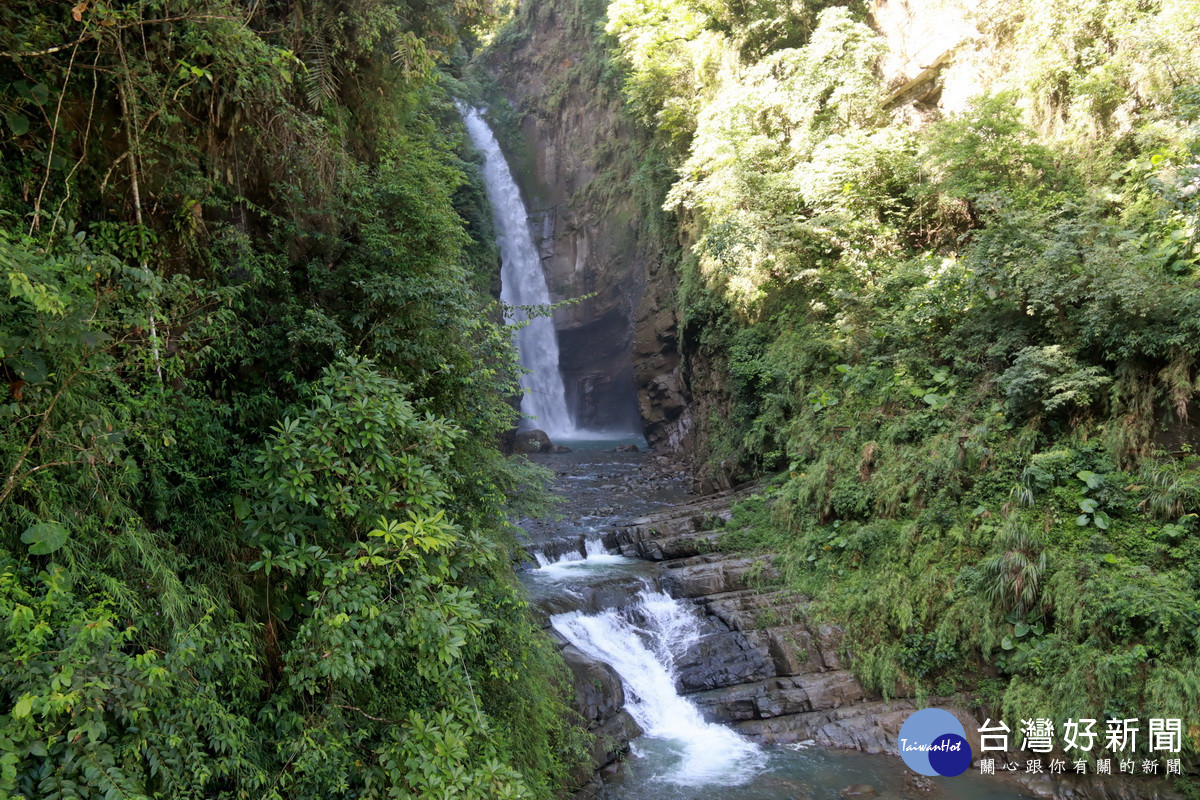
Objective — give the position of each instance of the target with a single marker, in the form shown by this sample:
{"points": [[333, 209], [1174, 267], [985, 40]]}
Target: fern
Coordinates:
{"points": [[321, 81]]}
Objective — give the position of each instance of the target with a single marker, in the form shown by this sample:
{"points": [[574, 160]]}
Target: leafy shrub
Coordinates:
{"points": [[1049, 380], [988, 151]]}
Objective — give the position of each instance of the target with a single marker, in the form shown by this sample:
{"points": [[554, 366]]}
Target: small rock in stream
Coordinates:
{"points": [[918, 783]]}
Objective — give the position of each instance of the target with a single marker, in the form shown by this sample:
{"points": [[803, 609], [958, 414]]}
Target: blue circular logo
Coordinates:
{"points": [[933, 742]]}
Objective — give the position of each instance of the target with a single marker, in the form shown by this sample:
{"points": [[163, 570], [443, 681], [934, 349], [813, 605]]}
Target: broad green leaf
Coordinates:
{"points": [[45, 537], [23, 708], [30, 367], [17, 123]]}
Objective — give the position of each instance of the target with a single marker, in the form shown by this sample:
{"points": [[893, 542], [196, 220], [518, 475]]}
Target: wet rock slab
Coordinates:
{"points": [[600, 700], [722, 659], [713, 574]]}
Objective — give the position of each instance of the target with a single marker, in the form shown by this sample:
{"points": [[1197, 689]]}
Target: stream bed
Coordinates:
{"points": [[614, 610]]}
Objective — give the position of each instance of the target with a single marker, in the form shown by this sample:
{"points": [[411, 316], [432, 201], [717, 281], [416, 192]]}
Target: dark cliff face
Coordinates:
{"points": [[618, 347]]}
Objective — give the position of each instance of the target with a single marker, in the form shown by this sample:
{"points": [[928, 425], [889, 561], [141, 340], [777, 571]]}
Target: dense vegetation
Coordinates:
{"points": [[255, 538], [964, 344]]}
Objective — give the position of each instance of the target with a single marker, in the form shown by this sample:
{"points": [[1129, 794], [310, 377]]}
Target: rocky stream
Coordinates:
{"points": [[696, 685]]}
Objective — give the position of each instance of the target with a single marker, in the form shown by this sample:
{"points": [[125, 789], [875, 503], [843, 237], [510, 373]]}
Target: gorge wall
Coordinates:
{"points": [[576, 158], [595, 182]]}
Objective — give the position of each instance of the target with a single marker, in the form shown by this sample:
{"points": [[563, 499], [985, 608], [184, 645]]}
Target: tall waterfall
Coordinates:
{"points": [[522, 283], [639, 644]]}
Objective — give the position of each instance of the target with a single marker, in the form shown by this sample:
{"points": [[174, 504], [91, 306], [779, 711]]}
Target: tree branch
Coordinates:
{"points": [[49, 50], [365, 714], [62, 93], [11, 481]]}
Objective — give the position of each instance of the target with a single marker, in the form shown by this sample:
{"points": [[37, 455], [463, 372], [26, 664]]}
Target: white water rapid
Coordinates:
{"points": [[522, 283], [594, 552], [642, 654]]}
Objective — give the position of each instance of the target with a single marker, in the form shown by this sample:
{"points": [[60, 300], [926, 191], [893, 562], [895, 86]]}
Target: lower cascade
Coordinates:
{"points": [[639, 642], [593, 552], [680, 671]]}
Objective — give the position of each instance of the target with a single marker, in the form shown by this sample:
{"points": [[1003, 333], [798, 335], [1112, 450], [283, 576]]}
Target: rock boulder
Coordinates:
{"points": [[535, 441]]}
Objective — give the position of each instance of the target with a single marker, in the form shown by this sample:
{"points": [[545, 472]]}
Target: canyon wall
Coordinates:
{"points": [[595, 188], [576, 160]]}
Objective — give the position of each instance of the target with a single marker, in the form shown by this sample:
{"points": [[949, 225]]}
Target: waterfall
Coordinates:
{"points": [[638, 643], [522, 283]]}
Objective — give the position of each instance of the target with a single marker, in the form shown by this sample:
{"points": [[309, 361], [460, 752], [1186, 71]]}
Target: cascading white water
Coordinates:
{"points": [[643, 657], [593, 550], [522, 283], [568, 564]]}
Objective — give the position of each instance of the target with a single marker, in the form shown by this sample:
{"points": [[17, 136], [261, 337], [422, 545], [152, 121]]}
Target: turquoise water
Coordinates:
{"points": [[594, 440], [806, 774]]}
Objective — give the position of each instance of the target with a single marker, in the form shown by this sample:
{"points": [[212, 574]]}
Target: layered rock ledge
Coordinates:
{"points": [[762, 665]]}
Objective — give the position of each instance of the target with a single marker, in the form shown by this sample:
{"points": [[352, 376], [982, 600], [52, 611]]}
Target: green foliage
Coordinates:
{"points": [[365, 602], [255, 526], [1045, 379], [988, 151], [1014, 574], [667, 47], [757, 28], [957, 343], [749, 149], [96, 713]]}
